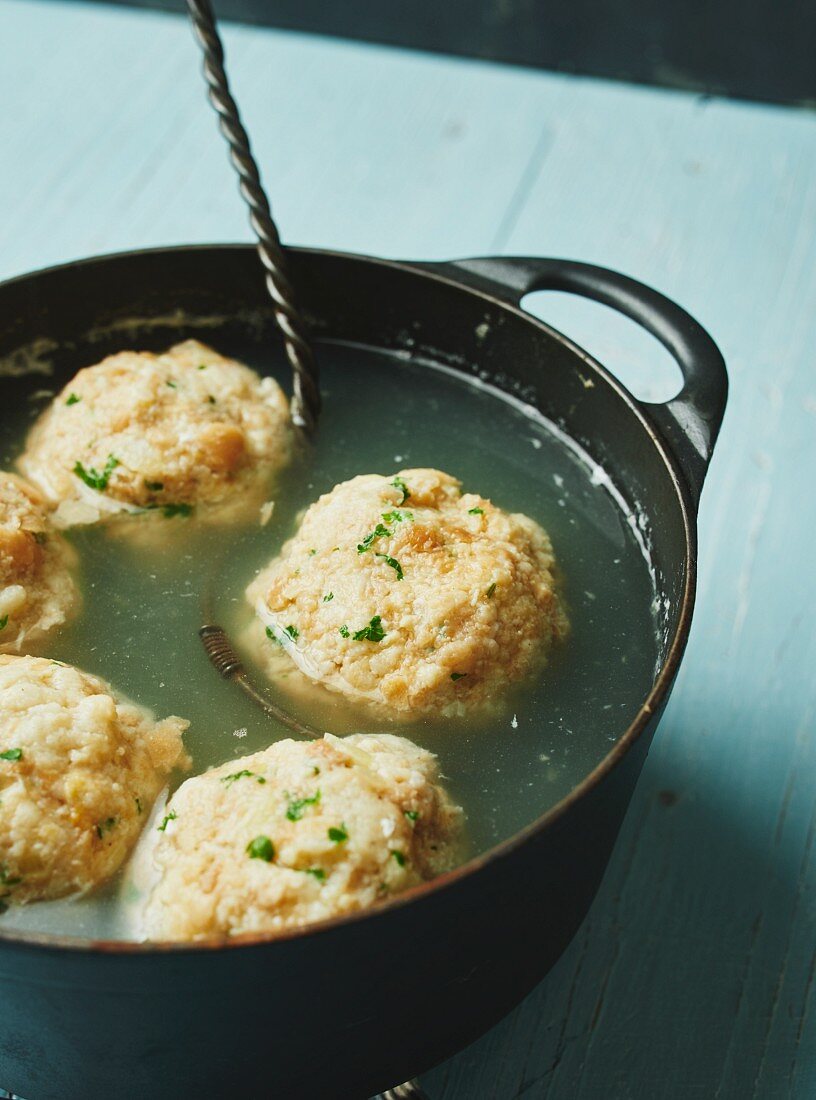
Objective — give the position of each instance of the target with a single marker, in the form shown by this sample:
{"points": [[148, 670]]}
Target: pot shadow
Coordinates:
{"points": [[692, 973]]}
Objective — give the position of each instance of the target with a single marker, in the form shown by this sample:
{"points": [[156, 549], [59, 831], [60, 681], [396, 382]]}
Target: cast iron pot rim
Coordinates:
{"points": [[440, 272]]}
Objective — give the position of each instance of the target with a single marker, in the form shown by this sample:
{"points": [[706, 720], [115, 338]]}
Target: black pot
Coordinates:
{"points": [[353, 1006]]}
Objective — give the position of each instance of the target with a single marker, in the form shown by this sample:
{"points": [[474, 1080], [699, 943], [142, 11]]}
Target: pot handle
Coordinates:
{"points": [[690, 422]]}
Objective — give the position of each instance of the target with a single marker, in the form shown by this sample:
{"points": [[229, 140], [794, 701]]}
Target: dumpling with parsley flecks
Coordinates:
{"points": [[185, 431], [297, 833], [403, 592], [79, 772], [37, 587]]}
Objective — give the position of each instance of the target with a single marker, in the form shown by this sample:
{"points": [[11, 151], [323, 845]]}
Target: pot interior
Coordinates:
{"points": [[415, 372]]}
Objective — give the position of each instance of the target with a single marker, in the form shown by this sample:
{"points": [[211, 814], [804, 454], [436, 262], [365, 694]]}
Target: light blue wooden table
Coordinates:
{"points": [[694, 974]]}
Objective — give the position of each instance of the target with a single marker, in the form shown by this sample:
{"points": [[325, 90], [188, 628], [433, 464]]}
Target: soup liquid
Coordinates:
{"points": [[143, 605]]}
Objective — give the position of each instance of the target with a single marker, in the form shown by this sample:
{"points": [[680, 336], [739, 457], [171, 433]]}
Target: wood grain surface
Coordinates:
{"points": [[694, 973]]}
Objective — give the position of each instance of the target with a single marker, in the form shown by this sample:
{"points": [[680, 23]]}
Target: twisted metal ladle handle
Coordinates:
{"points": [[306, 399], [411, 1090], [306, 395]]}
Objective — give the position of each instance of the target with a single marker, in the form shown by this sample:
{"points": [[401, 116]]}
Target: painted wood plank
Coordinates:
{"points": [[364, 149], [694, 975]]}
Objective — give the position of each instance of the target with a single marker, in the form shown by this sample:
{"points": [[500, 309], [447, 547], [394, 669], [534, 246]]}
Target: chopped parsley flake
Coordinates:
{"points": [[371, 633], [491, 590], [475, 511], [295, 809], [8, 880], [73, 399], [105, 826], [398, 483], [397, 517], [243, 774], [138, 802], [344, 630], [395, 565], [11, 754], [338, 835], [312, 552], [171, 510], [328, 597], [154, 486], [93, 478], [166, 820], [172, 385], [211, 399], [379, 532], [458, 676], [291, 631], [315, 769], [315, 872], [412, 815], [398, 856], [261, 848], [202, 366], [3, 622], [40, 537]]}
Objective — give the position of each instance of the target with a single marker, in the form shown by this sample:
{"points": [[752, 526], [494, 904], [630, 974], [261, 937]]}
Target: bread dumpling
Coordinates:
{"points": [[79, 772], [165, 434], [403, 592], [37, 587], [300, 832]]}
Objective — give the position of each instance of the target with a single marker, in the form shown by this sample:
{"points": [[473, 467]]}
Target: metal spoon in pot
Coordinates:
{"points": [[306, 396], [305, 382], [305, 404]]}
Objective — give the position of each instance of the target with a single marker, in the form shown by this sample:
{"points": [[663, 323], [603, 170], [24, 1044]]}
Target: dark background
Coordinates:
{"points": [[754, 49]]}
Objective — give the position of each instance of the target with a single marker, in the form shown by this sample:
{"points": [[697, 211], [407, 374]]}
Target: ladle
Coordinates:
{"points": [[305, 404], [306, 396]]}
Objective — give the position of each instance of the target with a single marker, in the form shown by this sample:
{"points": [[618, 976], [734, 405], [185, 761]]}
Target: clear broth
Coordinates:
{"points": [[143, 605]]}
